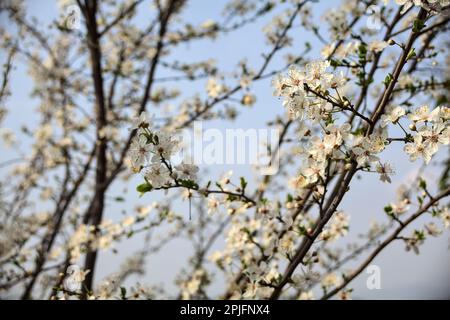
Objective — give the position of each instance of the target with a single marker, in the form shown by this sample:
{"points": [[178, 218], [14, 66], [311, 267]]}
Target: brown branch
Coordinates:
{"points": [[386, 242]]}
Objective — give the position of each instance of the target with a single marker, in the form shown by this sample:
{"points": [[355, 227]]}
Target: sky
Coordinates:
{"points": [[404, 275]]}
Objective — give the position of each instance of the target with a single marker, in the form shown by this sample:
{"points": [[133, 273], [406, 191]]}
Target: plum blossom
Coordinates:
{"points": [[186, 171], [295, 88], [306, 295], [385, 170], [377, 46], [165, 147], [213, 88], [400, 207], [158, 175], [432, 229], [365, 153], [392, 115], [421, 114], [139, 152], [427, 141], [338, 227], [141, 121], [445, 217]]}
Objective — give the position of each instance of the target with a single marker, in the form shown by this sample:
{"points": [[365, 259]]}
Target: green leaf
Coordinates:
{"points": [[388, 209], [418, 25], [388, 79], [155, 139], [289, 198], [419, 234], [189, 184], [334, 63], [144, 187], [420, 200], [411, 54], [123, 293], [423, 184], [243, 183], [302, 230]]}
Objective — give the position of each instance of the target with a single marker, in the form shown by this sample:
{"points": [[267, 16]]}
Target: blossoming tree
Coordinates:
{"points": [[97, 79]]}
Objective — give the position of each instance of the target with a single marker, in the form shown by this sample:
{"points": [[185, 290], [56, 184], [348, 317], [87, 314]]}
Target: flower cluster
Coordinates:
{"points": [[431, 131], [428, 4], [151, 151], [299, 90], [338, 227], [366, 148]]}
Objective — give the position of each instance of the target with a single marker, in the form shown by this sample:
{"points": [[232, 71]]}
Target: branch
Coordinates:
{"points": [[386, 242]]}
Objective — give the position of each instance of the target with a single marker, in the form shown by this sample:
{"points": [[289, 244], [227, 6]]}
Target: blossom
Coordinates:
{"points": [[316, 74], [245, 81], [143, 211], [165, 147], [306, 295], [251, 290], [213, 205], [139, 151], [209, 24], [364, 153], [413, 242], [385, 170], [427, 141], [425, 4], [8, 137], [128, 221], [437, 135], [345, 295], [141, 121], [186, 171], [445, 217], [338, 227], [377, 46], [417, 149], [432, 229], [400, 207], [295, 89], [440, 113], [392, 115], [248, 99], [314, 171], [298, 182], [158, 175], [43, 133], [213, 88], [330, 280], [306, 278], [421, 114]]}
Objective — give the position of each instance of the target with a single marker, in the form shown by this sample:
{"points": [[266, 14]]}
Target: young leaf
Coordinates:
{"points": [[144, 187]]}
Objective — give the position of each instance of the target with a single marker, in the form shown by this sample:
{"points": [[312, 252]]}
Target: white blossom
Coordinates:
{"points": [[158, 175], [186, 171], [392, 115]]}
